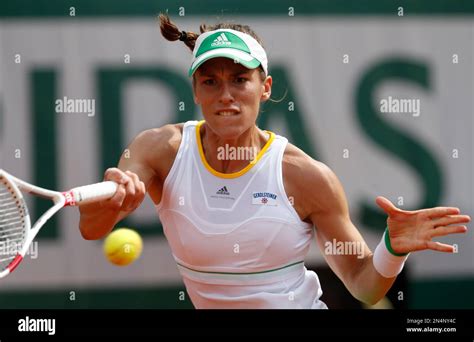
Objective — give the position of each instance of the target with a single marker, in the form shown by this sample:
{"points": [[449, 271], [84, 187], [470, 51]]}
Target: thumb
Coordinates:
{"points": [[387, 206]]}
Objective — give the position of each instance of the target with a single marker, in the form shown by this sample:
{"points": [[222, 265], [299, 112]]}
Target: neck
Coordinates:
{"points": [[228, 155]]}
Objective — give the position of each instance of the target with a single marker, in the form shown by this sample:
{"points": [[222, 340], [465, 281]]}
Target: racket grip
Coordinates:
{"points": [[94, 192]]}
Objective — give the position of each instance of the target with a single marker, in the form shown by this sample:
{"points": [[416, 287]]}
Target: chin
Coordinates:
{"points": [[228, 132], [228, 129]]}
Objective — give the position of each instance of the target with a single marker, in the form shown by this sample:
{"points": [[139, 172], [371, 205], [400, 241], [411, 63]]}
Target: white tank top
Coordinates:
{"points": [[236, 238]]}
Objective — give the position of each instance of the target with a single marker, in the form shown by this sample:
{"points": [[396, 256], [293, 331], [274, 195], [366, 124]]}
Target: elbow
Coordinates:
{"points": [[86, 235], [368, 293], [370, 299], [91, 234]]}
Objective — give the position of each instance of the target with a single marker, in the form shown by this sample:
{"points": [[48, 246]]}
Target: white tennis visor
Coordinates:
{"points": [[236, 45]]}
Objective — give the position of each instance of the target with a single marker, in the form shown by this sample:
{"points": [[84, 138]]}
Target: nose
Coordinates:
{"points": [[225, 96]]}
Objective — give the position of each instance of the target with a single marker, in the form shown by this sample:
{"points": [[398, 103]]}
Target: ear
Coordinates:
{"points": [[267, 89]]}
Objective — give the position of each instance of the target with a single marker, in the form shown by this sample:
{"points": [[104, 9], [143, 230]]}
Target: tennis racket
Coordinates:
{"points": [[16, 234]]}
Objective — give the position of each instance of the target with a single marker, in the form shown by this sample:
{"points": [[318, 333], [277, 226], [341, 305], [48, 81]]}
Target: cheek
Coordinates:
{"points": [[251, 93], [202, 97], [253, 97]]}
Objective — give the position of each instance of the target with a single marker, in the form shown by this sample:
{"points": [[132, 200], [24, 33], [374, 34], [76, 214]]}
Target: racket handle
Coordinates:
{"points": [[94, 192]]}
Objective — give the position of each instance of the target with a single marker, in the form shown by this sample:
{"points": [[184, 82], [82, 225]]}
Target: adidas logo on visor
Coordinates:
{"points": [[221, 40]]}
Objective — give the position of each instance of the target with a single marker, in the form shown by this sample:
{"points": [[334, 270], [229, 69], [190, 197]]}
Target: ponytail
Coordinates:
{"points": [[170, 31]]}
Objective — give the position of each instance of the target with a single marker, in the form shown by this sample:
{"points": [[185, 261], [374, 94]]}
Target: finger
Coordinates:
{"points": [[388, 207], [450, 219], [442, 231], [140, 194], [129, 198], [116, 201], [139, 189], [440, 247], [143, 188], [116, 175], [440, 212]]}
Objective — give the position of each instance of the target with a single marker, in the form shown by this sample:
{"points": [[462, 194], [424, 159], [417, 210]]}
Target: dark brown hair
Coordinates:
{"points": [[170, 31]]}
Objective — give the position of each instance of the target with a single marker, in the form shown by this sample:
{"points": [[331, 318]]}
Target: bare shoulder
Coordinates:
{"points": [[162, 138], [303, 169], [158, 146], [312, 183]]}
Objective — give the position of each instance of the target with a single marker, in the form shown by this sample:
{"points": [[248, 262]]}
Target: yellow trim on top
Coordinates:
{"points": [[233, 174]]}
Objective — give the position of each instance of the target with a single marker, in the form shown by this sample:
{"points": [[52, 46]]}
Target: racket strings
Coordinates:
{"points": [[12, 224]]}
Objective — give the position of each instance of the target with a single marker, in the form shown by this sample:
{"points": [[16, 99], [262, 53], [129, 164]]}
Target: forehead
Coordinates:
{"points": [[221, 65]]}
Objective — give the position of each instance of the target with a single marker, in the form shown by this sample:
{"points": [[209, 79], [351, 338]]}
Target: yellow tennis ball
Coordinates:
{"points": [[123, 246]]}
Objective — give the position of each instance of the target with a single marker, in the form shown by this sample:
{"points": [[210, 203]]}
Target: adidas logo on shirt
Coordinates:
{"points": [[221, 40], [223, 191]]}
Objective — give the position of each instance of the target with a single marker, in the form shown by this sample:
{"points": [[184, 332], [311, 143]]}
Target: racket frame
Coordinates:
{"points": [[88, 193]]}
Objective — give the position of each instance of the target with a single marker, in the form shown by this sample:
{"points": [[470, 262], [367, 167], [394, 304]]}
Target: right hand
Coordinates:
{"points": [[130, 191]]}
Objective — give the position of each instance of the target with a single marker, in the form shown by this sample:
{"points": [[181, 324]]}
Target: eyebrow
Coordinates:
{"points": [[211, 74]]}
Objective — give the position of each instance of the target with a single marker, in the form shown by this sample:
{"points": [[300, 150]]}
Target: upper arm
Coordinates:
{"points": [[340, 242], [135, 157], [150, 156], [151, 153]]}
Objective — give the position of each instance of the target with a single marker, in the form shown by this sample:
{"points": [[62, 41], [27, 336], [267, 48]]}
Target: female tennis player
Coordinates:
{"points": [[240, 228]]}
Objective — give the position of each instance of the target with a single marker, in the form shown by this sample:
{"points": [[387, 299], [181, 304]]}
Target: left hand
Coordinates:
{"points": [[413, 230]]}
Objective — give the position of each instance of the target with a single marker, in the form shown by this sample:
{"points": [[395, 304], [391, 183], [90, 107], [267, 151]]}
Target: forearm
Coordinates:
{"points": [[99, 218], [368, 285], [97, 222], [378, 271]]}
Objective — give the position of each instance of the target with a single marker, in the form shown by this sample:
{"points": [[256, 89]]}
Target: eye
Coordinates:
{"points": [[241, 80], [209, 81]]}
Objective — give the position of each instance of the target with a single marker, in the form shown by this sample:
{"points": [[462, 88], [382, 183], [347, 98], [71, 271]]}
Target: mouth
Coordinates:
{"points": [[227, 112]]}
